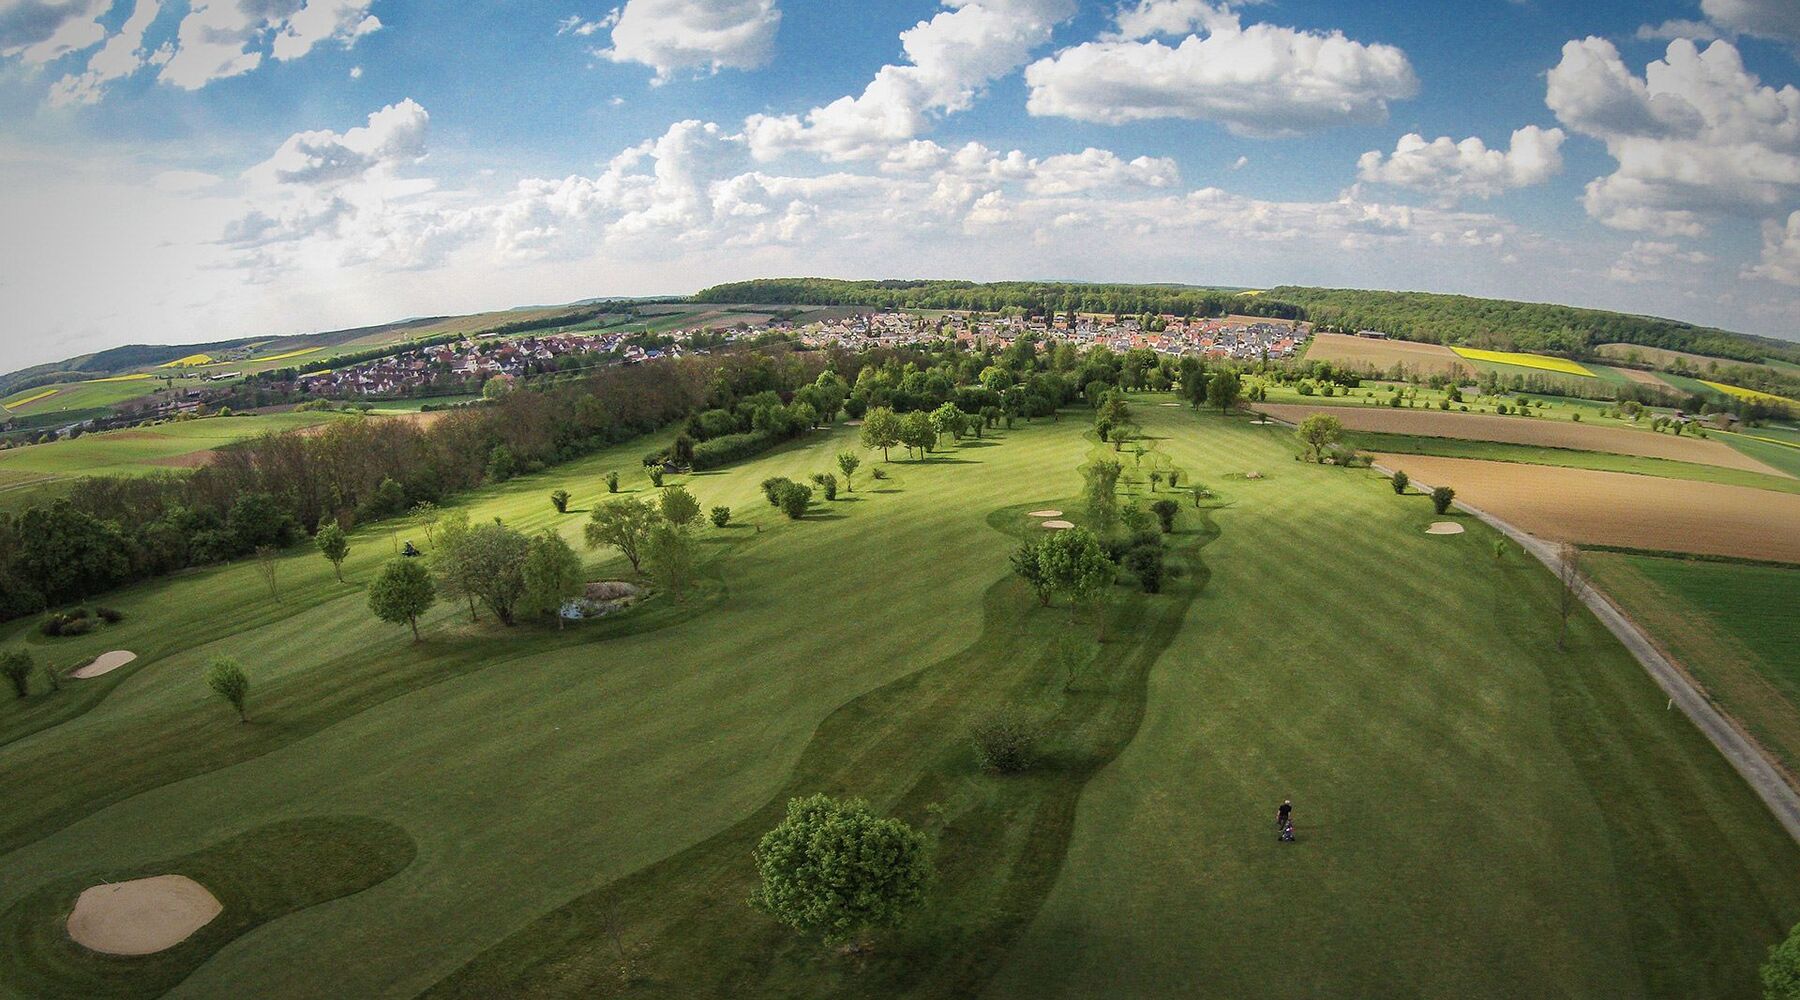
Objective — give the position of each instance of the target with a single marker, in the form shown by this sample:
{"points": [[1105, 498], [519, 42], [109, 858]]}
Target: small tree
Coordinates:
{"points": [[1441, 497], [1400, 481], [835, 870], [1077, 564], [721, 516], [426, 514], [881, 429], [402, 593], [1222, 390], [1317, 433], [827, 484], [1574, 587], [1100, 493], [655, 472], [267, 563], [16, 666], [560, 500], [679, 507], [334, 546], [1006, 743], [1026, 564], [1155, 480], [228, 680], [552, 576], [1165, 511], [918, 432], [612, 482], [671, 552], [1781, 973], [848, 464], [623, 525]]}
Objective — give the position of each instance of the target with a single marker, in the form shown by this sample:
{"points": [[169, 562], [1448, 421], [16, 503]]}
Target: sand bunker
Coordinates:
{"points": [[1045, 513], [105, 663], [141, 917], [1261, 423], [1444, 528], [1058, 525]]}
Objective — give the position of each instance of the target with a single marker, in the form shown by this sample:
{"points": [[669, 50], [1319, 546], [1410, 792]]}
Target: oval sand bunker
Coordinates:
{"points": [[1444, 528], [1058, 525], [141, 917], [105, 663], [1045, 513]]}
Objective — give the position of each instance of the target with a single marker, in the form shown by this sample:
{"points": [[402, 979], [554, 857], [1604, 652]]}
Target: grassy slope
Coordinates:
{"points": [[1732, 626], [137, 451], [73, 396], [1479, 815], [1571, 458], [531, 768], [1782, 457]]}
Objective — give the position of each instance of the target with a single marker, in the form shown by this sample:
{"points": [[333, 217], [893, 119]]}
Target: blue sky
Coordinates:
{"points": [[187, 170]]}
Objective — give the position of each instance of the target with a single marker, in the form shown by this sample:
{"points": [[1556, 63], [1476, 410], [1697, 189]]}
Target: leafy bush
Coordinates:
{"points": [[721, 516], [1781, 973], [1400, 481], [1441, 497], [1145, 561], [878, 474], [1165, 511], [560, 500], [655, 472], [16, 667], [772, 487], [835, 870], [1005, 743], [612, 482], [795, 499], [712, 453], [111, 616]]}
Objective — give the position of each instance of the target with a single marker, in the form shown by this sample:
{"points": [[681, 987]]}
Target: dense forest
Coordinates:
{"points": [[1035, 297], [1442, 319]]}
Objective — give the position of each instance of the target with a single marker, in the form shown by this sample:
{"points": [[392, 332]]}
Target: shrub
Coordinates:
{"points": [[16, 666], [1165, 511], [77, 626], [112, 616], [772, 487], [878, 474], [835, 870], [655, 472], [1145, 561], [612, 482], [1575, 417], [712, 453], [1441, 497], [1781, 973], [794, 500], [721, 516], [1400, 481], [502, 464], [1005, 743], [229, 682], [51, 626], [828, 483], [560, 500]]}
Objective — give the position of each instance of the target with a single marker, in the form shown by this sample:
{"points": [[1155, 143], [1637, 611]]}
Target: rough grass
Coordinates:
{"points": [[1733, 627], [258, 876]]}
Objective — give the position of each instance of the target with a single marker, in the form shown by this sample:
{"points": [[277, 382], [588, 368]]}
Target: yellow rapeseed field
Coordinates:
{"points": [[1743, 393], [1561, 366]]}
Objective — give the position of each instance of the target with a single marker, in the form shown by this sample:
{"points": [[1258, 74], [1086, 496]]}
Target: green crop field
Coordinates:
{"points": [[1731, 625], [1480, 815], [69, 397], [154, 448]]}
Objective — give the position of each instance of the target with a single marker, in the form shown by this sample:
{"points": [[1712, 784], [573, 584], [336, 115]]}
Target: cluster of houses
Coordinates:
{"points": [[1244, 338], [475, 360]]}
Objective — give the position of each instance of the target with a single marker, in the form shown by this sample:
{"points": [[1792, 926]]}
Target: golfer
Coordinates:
{"points": [[1282, 815]]}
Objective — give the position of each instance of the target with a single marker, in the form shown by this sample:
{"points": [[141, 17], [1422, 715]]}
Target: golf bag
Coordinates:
{"points": [[1286, 833]]}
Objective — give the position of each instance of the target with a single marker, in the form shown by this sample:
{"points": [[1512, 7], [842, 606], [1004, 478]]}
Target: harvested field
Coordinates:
{"points": [[1426, 359], [1542, 431], [1615, 508], [1642, 377]]}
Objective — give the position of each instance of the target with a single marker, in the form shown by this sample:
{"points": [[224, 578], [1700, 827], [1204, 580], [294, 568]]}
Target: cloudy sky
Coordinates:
{"points": [[188, 170]]}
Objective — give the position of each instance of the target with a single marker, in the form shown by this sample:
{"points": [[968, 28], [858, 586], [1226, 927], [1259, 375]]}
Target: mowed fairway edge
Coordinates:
{"points": [[1621, 509], [1526, 430]]}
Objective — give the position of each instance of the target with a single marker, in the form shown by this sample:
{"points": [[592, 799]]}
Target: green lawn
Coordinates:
{"points": [[1732, 626], [1494, 451], [1480, 815]]}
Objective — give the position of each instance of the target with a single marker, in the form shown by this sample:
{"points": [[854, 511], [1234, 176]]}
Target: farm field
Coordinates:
{"points": [[1539, 431], [1664, 358], [1640, 377], [1515, 359], [1772, 451], [1356, 352], [1603, 461], [73, 396], [1610, 508], [538, 774], [1742, 393], [1732, 626], [141, 450]]}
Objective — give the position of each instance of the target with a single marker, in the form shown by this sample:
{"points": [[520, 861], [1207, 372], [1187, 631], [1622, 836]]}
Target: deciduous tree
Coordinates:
{"points": [[228, 680], [401, 593], [623, 525], [552, 575], [834, 870], [334, 546], [881, 429]]}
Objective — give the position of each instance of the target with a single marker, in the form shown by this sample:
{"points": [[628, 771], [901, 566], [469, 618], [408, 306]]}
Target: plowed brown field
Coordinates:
{"points": [[1543, 431], [1616, 508], [1358, 352]]}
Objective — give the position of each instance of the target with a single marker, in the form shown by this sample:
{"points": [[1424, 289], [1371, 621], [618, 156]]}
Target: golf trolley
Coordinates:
{"points": [[1285, 832]]}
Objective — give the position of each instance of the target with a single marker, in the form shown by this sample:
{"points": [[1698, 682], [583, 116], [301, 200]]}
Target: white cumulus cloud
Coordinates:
{"points": [[1776, 20], [1653, 260], [218, 39], [1781, 252], [1451, 170], [1260, 80], [41, 31], [673, 35], [950, 59], [122, 55], [1696, 137]]}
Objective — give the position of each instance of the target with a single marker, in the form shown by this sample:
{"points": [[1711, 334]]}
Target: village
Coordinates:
{"points": [[464, 365]]}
